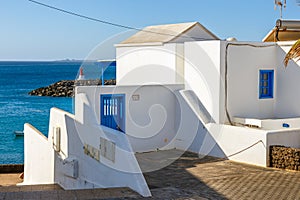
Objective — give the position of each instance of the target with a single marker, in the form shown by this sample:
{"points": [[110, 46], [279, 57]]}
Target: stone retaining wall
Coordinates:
{"points": [[285, 157], [65, 88]]}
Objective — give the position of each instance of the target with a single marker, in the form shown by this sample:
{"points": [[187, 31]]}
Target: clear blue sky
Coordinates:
{"points": [[31, 32]]}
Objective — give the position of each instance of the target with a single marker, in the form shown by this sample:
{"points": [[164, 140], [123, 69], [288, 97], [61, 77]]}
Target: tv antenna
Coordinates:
{"points": [[280, 3]]}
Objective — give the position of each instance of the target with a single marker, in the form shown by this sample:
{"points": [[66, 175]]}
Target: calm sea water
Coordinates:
{"points": [[17, 107]]}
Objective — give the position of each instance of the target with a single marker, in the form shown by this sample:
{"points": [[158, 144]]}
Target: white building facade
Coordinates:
{"points": [[178, 87]]}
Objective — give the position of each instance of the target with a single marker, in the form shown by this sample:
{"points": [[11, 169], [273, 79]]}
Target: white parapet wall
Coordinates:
{"points": [[249, 145], [38, 158], [79, 156], [241, 144], [268, 124]]}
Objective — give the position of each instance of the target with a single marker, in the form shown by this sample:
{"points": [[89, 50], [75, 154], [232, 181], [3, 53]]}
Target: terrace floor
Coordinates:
{"points": [[189, 177]]}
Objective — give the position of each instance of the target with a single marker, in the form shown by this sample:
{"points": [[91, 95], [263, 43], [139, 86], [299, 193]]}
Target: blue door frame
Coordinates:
{"points": [[112, 111]]}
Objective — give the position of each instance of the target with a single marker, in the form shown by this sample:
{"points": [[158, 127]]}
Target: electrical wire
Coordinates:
{"points": [[109, 23]]}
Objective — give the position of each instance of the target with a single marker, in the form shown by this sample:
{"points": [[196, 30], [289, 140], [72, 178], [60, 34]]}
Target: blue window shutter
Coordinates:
{"points": [[112, 109], [266, 84]]}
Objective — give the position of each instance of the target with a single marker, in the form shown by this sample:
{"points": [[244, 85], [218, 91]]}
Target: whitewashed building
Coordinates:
{"points": [[178, 87]]}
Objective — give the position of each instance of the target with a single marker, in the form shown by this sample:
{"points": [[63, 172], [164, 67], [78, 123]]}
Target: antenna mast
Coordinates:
{"points": [[280, 3]]}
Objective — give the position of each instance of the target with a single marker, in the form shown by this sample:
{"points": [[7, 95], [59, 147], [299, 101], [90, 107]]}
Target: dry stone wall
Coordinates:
{"points": [[285, 157]]}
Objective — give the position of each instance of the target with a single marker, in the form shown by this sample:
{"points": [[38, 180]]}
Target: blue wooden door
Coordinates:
{"points": [[112, 107]]}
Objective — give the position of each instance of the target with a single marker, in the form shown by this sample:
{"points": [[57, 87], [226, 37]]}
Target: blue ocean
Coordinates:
{"points": [[17, 107]]}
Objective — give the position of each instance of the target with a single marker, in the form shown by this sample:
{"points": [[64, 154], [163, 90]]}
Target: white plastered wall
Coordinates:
{"points": [[288, 90], [202, 74], [150, 121], [152, 64], [243, 65], [207, 79]]}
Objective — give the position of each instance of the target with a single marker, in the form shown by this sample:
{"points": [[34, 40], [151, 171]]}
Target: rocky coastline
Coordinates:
{"points": [[65, 88]]}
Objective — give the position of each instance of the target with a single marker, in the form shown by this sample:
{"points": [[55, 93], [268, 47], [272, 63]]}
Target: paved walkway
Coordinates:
{"points": [[210, 178], [187, 178]]}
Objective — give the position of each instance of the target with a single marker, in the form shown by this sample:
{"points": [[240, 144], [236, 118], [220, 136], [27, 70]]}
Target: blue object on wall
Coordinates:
{"points": [[285, 125]]}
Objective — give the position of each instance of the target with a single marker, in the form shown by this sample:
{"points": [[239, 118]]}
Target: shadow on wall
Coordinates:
{"points": [[192, 134]]}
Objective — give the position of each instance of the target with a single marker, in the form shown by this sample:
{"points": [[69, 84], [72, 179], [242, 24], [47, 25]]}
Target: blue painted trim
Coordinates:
{"points": [[270, 84], [116, 116]]}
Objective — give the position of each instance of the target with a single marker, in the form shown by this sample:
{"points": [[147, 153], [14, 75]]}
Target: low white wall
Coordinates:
{"points": [[277, 124], [250, 145], [268, 124], [74, 167], [138, 65], [38, 158], [240, 144]]}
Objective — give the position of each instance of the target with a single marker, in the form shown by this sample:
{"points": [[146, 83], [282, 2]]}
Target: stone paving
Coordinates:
{"points": [[187, 178], [211, 178]]}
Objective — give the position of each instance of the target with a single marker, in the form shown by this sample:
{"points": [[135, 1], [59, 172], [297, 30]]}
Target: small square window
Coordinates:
{"points": [[266, 82]]}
